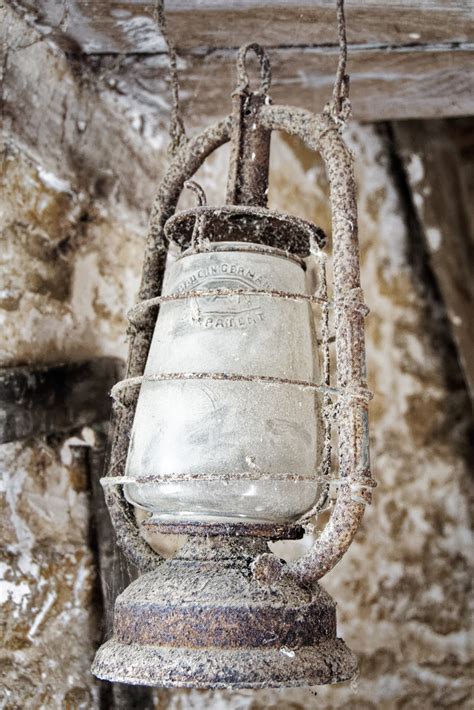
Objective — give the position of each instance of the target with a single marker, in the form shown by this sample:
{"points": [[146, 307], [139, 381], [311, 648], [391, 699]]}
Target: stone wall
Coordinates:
{"points": [[71, 258]]}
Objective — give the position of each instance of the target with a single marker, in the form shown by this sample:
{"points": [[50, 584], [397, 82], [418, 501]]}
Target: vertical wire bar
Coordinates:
{"points": [[326, 380], [327, 405], [325, 418]]}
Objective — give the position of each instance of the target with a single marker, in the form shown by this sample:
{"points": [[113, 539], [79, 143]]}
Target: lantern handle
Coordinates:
{"points": [[321, 133]]}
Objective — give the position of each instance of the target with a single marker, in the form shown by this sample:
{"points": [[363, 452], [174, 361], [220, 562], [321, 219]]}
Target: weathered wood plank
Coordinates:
{"points": [[102, 26], [406, 59], [309, 23], [439, 160], [115, 574], [395, 85], [55, 398]]}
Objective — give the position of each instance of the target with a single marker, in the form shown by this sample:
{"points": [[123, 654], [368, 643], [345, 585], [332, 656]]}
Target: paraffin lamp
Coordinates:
{"points": [[223, 425]]}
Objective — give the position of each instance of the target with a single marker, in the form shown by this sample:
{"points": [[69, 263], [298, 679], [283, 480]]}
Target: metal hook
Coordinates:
{"points": [[198, 191], [199, 223], [265, 68]]}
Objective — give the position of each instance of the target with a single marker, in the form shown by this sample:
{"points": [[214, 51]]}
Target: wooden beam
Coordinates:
{"points": [[313, 22], [406, 59], [104, 26], [439, 162], [115, 573], [394, 85], [55, 398]]}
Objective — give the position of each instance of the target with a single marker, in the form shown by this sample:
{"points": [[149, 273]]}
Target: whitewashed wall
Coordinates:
{"points": [[71, 261]]}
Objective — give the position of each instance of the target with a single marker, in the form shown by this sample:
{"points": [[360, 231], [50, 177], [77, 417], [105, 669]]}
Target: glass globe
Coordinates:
{"points": [[225, 449]]}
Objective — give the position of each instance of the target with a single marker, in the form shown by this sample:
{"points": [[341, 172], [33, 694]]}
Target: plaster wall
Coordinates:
{"points": [[71, 259]]}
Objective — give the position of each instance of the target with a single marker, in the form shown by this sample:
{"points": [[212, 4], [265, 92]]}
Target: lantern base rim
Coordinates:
{"points": [[328, 662], [224, 612], [220, 528]]}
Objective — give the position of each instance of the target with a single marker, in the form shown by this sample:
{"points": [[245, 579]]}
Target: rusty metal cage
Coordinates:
{"points": [[343, 403]]}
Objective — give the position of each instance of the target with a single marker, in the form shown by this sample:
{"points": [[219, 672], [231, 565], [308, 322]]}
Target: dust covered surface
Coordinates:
{"points": [[71, 256]]}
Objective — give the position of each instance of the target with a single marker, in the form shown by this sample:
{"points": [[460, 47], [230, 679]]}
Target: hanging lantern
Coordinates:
{"points": [[224, 424]]}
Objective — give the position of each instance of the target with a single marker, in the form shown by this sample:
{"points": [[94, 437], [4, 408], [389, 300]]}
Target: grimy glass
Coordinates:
{"points": [[248, 436]]}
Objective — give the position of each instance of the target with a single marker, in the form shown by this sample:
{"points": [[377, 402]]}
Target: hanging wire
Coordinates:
{"points": [[176, 128], [340, 106]]}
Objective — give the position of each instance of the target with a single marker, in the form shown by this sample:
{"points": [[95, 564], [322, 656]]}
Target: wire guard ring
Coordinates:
{"points": [[320, 133]]}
